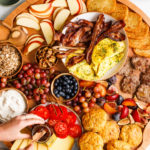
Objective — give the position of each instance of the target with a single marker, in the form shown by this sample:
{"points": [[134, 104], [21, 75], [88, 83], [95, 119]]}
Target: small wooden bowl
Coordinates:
{"points": [[52, 87], [25, 98], [21, 63], [43, 46]]}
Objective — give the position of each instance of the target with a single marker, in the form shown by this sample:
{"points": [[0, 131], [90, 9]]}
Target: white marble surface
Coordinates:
{"points": [[143, 4]]}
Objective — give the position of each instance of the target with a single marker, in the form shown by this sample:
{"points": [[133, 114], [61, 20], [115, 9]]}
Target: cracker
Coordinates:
{"points": [[121, 12], [133, 22], [144, 53], [104, 6], [141, 33], [140, 44]]}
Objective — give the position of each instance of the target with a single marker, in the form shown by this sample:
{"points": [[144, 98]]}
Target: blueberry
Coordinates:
{"points": [[55, 91], [116, 116], [67, 97], [55, 84], [65, 83], [62, 94], [57, 95], [72, 94], [59, 88], [57, 81], [75, 91], [67, 86], [74, 80], [120, 100], [71, 87], [70, 77]]}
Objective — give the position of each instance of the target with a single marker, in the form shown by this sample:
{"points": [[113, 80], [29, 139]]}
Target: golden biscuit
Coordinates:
{"points": [[133, 22], [140, 44], [144, 53], [110, 132], [121, 12], [91, 141], [94, 120], [118, 145], [105, 6], [139, 34], [132, 134]]}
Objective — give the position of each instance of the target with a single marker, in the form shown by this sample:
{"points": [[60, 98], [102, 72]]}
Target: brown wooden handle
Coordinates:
{"points": [[8, 22], [136, 9]]}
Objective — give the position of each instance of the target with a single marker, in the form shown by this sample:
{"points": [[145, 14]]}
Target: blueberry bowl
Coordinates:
{"points": [[65, 87]]}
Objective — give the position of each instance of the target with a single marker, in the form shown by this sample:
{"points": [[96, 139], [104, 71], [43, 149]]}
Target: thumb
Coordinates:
{"points": [[24, 136]]}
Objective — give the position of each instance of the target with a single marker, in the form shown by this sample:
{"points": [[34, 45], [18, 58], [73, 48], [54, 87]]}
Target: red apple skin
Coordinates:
{"points": [[34, 37], [25, 52], [136, 116], [124, 112], [79, 7], [51, 25], [44, 11]]}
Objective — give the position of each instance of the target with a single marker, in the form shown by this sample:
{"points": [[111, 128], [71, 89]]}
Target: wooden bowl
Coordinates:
{"points": [[25, 98], [21, 63], [37, 60], [52, 87]]}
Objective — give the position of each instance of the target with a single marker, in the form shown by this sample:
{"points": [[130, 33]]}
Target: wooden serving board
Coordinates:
{"points": [[9, 23]]}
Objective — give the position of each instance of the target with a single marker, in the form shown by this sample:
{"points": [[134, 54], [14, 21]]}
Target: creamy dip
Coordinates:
{"points": [[12, 104]]}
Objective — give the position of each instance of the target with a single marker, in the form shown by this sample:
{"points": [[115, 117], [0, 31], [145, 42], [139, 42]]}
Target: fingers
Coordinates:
{"points": [[30, 116], [24, 136], [29, 122]]}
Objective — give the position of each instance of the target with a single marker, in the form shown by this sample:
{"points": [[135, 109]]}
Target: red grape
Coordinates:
{"points": [[86, 110], [33, 81], [96, 89], [25, 67], [20, 76], [22, 89], [18, 85], [43, 75], [26, 92], [38, 82], [29, 72], [23, 81], [47, 84], [77, 108], [25, 75], [88, 94], [29, 97], [29, 86], [43, 101], [28, 65], [37, 97], [37, 76], [82, 99], [30, 93], [15, 82], [37, 70], [43, 96], [2, 85], [93, 99], [46, 90], [84, 104], [43, 81], [91, 104], [52, 70], [32, 69], [4, 79], [36, 91], [76, 99], [41, 91], [28, 79], [97, 95], [35, 66]]}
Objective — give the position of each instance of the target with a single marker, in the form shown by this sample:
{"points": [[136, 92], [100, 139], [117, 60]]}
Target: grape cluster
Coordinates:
{"points": [[86, 98], [3, 82], [33, 82]]}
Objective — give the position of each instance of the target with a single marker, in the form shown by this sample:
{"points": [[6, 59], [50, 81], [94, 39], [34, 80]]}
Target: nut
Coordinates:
{"points": [[124, 121], [131, 119], [140, 104]]}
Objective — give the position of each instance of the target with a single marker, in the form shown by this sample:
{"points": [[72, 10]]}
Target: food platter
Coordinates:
{"points": [[92, 56]]}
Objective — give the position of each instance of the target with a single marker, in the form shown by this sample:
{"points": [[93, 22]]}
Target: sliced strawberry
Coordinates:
{"points": [[124, 112], [136, 116], [109, 109], [129, 102]]}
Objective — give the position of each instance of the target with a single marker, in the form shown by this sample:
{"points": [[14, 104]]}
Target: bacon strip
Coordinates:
{"points": [[97, 31]]}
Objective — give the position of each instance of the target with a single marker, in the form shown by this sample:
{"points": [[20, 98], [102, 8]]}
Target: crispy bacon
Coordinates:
{"points": [[117, 36], [97, 31], [75, 59], [84, 22]]}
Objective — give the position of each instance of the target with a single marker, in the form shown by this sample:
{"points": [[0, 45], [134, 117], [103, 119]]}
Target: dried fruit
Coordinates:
{"points": [[136, 116], [129, 102], [116, 116], [131, 119], [86, 83], [109, 109], [120, 100], [112, 97], [124, 112], [124, 121]]}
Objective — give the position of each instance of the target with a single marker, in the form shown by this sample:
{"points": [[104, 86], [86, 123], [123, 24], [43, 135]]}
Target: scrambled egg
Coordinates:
{"points": [[106, 54]]}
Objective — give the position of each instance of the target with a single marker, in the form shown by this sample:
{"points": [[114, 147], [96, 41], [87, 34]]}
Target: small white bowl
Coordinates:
{"points": [[92, 16]]}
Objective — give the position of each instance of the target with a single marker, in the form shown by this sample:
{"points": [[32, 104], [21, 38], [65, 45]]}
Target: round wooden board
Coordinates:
{"points": [[9, 22]]}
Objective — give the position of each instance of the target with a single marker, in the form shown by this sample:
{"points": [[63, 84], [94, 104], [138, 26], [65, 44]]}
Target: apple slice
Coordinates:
{"points": [[74, 6], [84, 9], [47, 29], [40, 8], [61, 18], [59, 3], [31, 46], [33, 36], [28, 22], [48, 1], [56, 12], [27, 15], [46, 14], [40, 39]]}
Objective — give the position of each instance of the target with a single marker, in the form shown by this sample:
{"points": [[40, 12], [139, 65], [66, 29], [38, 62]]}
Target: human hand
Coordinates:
{"points": [[10, 131]]}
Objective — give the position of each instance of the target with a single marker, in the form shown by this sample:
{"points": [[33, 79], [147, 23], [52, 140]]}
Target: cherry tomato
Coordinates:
{"points": [[75, 131], [52, 122], [71, 118], [61, 129], [42, 112]]}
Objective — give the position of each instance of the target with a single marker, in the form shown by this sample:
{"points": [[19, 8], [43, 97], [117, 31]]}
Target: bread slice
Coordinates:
{"points": [[141, 33], [133, 22], [121, 12], [104, 6]]}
